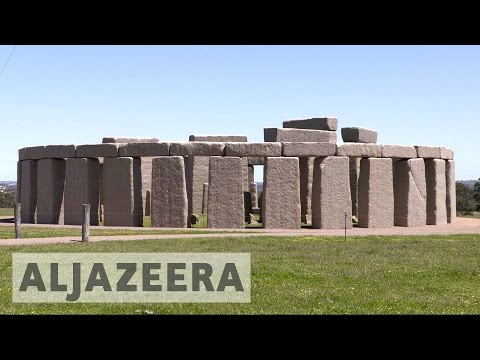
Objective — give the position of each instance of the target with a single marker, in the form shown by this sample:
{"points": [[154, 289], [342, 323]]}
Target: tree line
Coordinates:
{"points": [[468, 199], [7, 199]]}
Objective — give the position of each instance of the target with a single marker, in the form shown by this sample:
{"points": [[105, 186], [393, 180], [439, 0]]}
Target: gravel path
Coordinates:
{"points": [[461, 226]]}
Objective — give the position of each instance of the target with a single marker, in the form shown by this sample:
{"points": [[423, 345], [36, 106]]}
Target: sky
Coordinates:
{"points": [[412, 95]]}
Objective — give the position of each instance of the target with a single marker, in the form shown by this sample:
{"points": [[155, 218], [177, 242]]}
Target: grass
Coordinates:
{"points": [[475, 215], [6, 212], [307, 275]]}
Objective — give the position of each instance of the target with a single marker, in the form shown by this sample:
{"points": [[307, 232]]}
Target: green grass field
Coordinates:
{"points": [[6, 212], [307, 275], [475, 215]]}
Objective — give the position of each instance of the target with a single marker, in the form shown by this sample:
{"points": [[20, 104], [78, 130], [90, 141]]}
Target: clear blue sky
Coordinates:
{"points": [[79, 94]]}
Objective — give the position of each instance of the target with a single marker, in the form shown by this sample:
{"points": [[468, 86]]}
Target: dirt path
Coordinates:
{"points": [[461, 226]]}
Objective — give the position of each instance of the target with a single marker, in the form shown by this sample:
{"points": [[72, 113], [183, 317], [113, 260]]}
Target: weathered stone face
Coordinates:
{"points": [[50, 187], [436, 191], [326, 123], [410, 193], [59, 151], [451, 191], [253, 149], [306, 179], [21, 154], [359, 135], [97, 150], [28, 190], [198, 149], [218, 138], [446, 153], [375, 193], [253, 192], [359, 150], [196, 168], [122, 192], [144, 149], [298, 135], [331, 200], [399, 151], [169, 192], [354, 164], [428, 152], [225, 193], [108, 140], [309, 149], [82, 186], [281, 193], [35, 153]]}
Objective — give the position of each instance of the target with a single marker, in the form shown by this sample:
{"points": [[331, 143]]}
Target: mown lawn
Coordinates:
{"points": [[6, 211], [307, 275]]}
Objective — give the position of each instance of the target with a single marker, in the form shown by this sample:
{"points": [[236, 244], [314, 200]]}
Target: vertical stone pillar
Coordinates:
{"points": [[331, 198], [375, 193], [225, 193], [306, 178], [196, 175], [50, 187], [451, 191], [436, 191], [146, 183], [19, 182], [253, 192], [251, 174], [169, 192], [281, 193], [204, 198], [82, 186], [410, 193], [122, 192], [354, 176], [28, 191]]}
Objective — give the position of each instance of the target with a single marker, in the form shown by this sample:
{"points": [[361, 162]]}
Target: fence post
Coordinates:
{"points": [[86, 222], [18, 220]]}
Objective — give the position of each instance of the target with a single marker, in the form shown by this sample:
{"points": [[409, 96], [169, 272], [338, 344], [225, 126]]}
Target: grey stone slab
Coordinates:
{"points": [[198, 148], [146, 165], [251, 175], [122, 192], [97, 150], [399, 151], [256, 160], [331, 199], [82, 186], [245, 179], [254, 195], [218, 138], [308, 149], [113, 139], [354, 165], [28, 190], [375, 193], [325, 123], [428, 152], [451, 191], [306, 179], [169, 192], [281, 193], [50, 187], [148, 149], [225, 194], [359, 135], [436, 191], [35, 153], [18, 195], [298, 135], [410, 193], [21, 153], [359, 150], [59, 151], [196, 168], [253, 149], [446, 153], [204, 198]]}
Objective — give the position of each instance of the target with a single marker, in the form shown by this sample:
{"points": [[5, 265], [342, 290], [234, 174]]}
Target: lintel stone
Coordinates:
{"points": [[308, 149], [359, 135], [253, 149], [198, 148], [148, 149], [35, 153], [326, 123], [399, 151], [428, 152], [298, 135], [97, 150], [359, 150], [59, 151]]}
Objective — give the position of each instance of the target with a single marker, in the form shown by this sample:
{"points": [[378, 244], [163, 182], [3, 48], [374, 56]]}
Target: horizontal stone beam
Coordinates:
{"points": [[308, 149], [144, 149], [326, 123], [359, 135], [446, 153], [359, 150], [399, 151], [428, 152], [218, 138], [298, 135], [253, 149], [97, 150], [197, 149], [256, 160], [59, 151], [116, 140], [35, 153], [21, 154]]}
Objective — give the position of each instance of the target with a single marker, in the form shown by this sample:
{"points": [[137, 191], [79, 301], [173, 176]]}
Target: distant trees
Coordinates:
{"points": [[476, 194], [7, 199], [466, 203]]}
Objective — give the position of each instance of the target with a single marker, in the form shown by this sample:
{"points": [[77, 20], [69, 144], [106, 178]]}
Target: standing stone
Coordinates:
{"points": [[253, 192], [247, 204], [436, 191], [281, 193], [225, 194], [354, 175], [82, 186], [19, 182], [375, 193], [451, 191], [28, 191], [245, 175], [50, 186], [359, 135], [251, 173], [410, 193], [169, 192], [146, 183], [306, 178], [331, 198], [196, 175], [122, 192], [204, 198]]}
